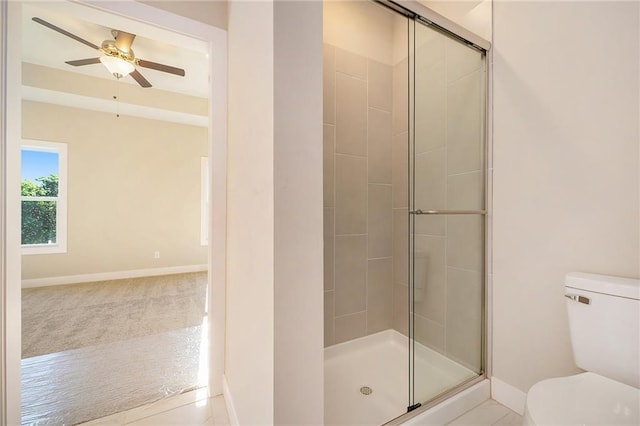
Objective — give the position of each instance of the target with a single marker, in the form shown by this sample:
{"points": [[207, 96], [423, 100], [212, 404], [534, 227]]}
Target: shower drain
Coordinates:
{"points": [[366, 390]]}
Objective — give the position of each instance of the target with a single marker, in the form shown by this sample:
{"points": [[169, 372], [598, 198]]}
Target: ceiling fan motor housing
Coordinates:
{"points": [[109, 48]]}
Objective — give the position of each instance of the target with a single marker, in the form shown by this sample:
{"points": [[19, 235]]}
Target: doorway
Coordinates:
{"points": [[214, 40]]}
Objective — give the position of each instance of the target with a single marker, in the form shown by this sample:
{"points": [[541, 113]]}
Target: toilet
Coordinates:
{"points": [[604, 321]]}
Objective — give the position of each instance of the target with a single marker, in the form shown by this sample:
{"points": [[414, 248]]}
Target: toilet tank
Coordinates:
{"points": [[604, 321]]}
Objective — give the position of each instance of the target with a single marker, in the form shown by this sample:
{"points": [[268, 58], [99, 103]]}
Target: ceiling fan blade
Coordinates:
{"points": [[65, 32], [140, 79], [81, 62], [161, 67], [124, 40]]}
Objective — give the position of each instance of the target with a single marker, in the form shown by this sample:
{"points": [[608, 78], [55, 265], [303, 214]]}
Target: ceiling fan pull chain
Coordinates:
{"points": [[118, 98]]}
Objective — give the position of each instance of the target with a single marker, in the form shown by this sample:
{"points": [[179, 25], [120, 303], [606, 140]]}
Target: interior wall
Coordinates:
{"points": [[249, 358], [10, 215], [566, 170], [359, 28], [3, 138], [474, 15], [211, 12], [274, 240], [132, 191], [358, 136], [299, 355]]}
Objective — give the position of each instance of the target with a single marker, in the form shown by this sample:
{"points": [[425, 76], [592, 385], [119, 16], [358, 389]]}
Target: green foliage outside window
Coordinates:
{"points": [[39, 217]]}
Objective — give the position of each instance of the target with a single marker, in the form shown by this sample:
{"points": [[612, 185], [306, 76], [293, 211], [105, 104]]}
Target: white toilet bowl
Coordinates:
{"points": [[604, 324], [583, 399]]}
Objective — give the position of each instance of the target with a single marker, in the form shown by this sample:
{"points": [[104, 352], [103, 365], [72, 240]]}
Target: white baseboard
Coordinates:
{"points": [[507, 395], [116, 275], [228, 400]]}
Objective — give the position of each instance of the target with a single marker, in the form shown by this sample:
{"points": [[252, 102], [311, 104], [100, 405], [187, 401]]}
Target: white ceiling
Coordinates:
{"points": [[44, 46], [452, 9]]}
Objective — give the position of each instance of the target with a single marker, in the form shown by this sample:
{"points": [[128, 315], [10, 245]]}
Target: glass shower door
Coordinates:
{"points": [[447, 213]]}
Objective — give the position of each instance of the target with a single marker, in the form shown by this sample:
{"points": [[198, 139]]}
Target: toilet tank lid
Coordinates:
{"points": [[606, 284]]}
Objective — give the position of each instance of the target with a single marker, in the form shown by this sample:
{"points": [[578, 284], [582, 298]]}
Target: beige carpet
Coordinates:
{"points": [[59, 318]]}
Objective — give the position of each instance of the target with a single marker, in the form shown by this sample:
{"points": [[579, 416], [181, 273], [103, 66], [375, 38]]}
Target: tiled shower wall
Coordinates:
{"points": [[400, 165], [366, 197], [448, 176], [358, 219]]}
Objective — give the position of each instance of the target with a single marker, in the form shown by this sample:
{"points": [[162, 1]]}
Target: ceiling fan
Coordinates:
{"points": [[117, 56]]}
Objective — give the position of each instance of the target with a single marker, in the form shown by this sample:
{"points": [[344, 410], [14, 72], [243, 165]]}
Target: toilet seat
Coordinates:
{"points": [[584, 399]]}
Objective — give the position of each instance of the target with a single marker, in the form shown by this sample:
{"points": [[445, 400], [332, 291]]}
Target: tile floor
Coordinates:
{"points": [[195, 408], [191, 408], [489, 413]]}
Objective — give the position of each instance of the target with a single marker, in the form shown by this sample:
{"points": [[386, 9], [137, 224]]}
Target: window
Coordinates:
{"points": [[44, 197], [204, 201]]}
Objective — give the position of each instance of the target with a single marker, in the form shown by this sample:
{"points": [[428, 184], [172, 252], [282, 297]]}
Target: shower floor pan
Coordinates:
{"points": [[367, 379]]}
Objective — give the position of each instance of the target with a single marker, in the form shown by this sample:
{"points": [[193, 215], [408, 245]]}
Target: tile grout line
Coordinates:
{"points": [[334, 195]]}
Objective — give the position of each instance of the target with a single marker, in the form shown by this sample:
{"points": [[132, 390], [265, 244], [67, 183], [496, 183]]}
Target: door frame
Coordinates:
{"points": [[10, 137]]}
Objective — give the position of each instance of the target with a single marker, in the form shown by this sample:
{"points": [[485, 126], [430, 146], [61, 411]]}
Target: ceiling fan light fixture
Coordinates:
{"points": [[117, 66]]}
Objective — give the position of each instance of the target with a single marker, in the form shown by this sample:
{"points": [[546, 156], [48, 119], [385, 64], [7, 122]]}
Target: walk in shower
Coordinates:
{"points": [[404, 211]]}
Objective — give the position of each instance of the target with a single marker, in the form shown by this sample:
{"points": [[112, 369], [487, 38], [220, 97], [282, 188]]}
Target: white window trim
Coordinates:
{"points": [[61, 201], [204, 201]]}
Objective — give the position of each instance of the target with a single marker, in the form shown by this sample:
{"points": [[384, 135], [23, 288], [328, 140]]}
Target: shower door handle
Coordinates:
{"points": [[435, 212]]}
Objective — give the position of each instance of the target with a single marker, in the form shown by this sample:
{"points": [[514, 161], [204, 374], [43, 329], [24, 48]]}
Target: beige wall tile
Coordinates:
{"points": [[380, 85], [379, 295], [328, 248], [350, 274], [430, 108], [465, 242], [430, 180], [400, 308], [466, 191], [464, 138], [431, 225], [461, 60], [400, 97], [351, 64], [400, 170], [351, 115], [350, 327], [464, 324], [430, 48], [379, 150], [430, 334], [329, 84], [380, 221], [400, 248], [351, 195], [328, 318], [430, 278], [328, 164]]}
